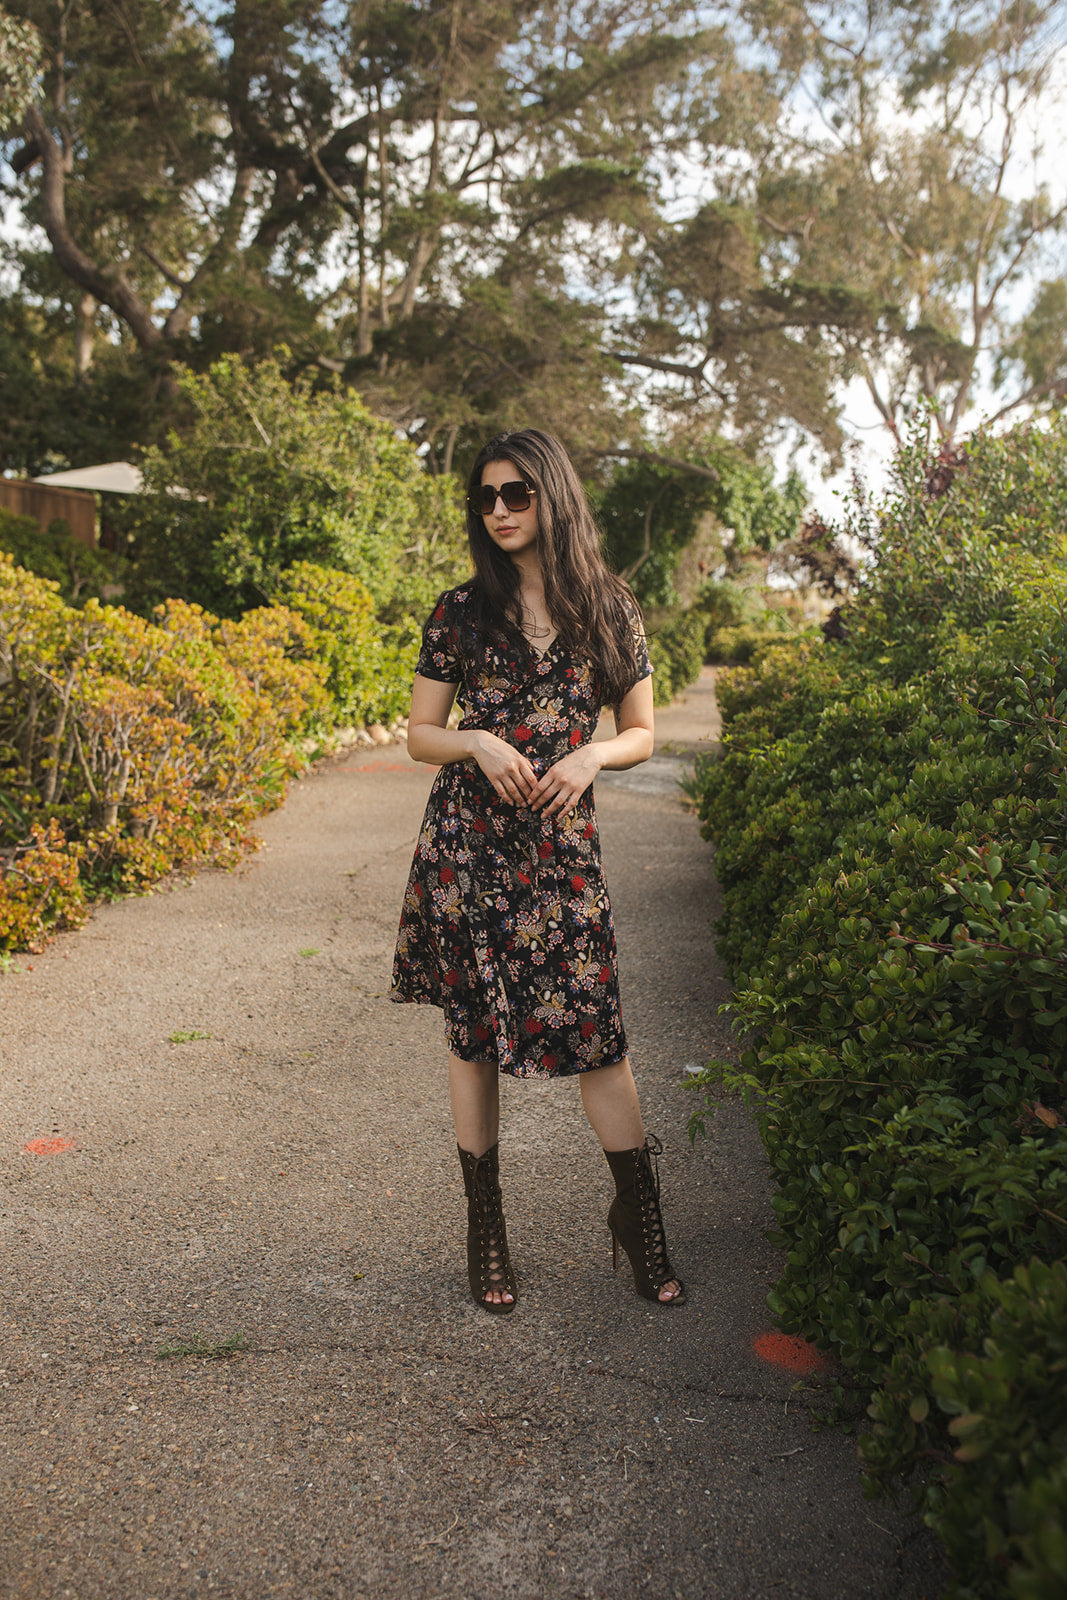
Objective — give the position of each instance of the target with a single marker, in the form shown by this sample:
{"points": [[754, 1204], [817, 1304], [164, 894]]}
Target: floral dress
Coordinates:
{"points": [[506, 923]]}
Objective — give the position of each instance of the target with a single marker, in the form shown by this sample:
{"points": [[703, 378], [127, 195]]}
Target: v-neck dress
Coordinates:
{"points": [[506, 922]]}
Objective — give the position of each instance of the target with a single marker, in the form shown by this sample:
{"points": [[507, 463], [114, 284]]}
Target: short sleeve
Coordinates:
{"points": [[642, 664], [439, 657]]}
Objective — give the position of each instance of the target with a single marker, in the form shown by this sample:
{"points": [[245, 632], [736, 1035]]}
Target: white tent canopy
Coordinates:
{"points": [[113, 477]]}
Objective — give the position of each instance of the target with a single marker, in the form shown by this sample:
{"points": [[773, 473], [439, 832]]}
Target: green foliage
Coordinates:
{"points": [[271, 472], [943, 540], [736, 645], [986, 1368], [888, 817], [676, 649], [369, 667], [20, 64], [80, 572], [652, 514]]}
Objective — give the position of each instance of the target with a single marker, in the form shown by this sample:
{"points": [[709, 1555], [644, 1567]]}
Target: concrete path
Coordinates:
{"points": [[288, 1174]]}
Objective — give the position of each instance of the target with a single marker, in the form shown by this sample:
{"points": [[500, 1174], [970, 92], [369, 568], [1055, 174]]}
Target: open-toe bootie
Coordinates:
{"points": [[488, 1262], [636, 1223]]}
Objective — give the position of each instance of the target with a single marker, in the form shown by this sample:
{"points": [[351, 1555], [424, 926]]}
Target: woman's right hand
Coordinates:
{"points": [[507, 769]]}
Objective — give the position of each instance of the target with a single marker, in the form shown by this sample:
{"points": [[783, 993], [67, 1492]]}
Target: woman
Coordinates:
{"points": [[506, 922]]}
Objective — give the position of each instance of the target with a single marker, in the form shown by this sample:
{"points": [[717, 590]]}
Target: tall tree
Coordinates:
{"points": [[916, 173], [447, 200], [592, 215]]}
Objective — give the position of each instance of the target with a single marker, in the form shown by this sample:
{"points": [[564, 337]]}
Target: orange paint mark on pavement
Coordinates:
{"points": [[381, 766], [792, 1355], [48, 1147]]}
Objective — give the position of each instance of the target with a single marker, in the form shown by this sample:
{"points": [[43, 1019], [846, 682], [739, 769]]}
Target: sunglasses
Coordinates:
{"points": [[515, 495]]}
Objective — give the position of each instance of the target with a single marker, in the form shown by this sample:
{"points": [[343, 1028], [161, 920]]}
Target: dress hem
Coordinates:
{"points": [[543, 1076]]}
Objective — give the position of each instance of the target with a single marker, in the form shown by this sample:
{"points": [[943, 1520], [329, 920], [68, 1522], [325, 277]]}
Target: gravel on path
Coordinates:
{"points": [[252, 1145]]}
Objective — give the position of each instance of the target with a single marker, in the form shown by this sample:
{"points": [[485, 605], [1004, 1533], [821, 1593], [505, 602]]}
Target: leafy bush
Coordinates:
{"points": [[992, 1361], [736, 645], [676, 649], [889, 822], [129, 747], [271, 472], [369, 666]]}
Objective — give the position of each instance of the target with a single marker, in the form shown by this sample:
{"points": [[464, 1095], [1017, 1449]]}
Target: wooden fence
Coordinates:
{"points": [[44, 502]]}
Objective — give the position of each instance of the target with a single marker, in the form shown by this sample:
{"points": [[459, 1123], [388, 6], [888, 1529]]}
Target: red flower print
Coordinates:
{"points": [[589, 831], [523, 732], [447, 875], [532, 1025], [544, 850], [438, 615], [577, 884], [481, 1031], [452, 976], [522, 877], [588, 1029], [548, 1062], [576, 736], [605, 974], [478, 825]]}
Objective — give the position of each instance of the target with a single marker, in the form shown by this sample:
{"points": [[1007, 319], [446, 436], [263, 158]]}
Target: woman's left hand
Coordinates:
{"points": [[562, 786]]}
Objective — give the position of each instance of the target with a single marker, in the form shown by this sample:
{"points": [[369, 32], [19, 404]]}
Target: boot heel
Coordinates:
{"points": [[614, 1251]]}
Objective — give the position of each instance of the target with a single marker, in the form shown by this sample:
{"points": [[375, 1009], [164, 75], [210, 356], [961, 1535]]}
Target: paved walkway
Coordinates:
{"points": [[288, 1174]]}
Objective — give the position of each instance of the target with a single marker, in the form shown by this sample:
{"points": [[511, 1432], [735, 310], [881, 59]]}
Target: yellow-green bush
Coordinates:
{"points": [[369, 665], [128, 748]]}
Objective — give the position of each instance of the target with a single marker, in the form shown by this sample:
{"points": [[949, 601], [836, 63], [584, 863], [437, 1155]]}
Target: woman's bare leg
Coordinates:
{"points": [[474, 1090], [609, 1096]]}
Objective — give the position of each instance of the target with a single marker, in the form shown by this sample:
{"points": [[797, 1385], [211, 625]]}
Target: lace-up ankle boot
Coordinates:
{"points": [[636, 1223], [488, 1262]]}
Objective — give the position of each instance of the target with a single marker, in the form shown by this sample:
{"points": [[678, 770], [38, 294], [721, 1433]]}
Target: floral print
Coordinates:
{"points": [[506, 923]]}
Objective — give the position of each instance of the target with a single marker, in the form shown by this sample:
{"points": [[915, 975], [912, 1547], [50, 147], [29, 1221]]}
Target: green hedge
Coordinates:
{"points": [[889, 819]]}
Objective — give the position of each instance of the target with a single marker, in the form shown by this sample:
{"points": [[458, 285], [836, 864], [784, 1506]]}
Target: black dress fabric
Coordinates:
{"points": [[506, 922]]}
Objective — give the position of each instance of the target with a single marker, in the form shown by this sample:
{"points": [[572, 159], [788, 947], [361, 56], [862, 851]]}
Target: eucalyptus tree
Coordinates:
{"points": [[450, 202], [606, 216], [920, 172]]}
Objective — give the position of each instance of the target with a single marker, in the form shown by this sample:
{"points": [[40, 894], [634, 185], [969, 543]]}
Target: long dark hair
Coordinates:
{"points": [[593, 609]]}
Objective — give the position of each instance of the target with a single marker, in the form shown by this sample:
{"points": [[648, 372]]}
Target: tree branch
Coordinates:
{"points": [[109, 285], [656, 459], [182, 314], [1056, 387]]}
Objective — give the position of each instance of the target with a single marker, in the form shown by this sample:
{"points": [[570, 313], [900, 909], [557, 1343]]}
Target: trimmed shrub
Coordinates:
{"points": [[369, 665], [128, 748], [737, 645], [889, 822]]}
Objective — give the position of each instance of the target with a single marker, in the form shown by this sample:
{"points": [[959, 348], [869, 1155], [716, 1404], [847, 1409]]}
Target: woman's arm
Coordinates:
{"points": [[564, 784], [431, 739]]}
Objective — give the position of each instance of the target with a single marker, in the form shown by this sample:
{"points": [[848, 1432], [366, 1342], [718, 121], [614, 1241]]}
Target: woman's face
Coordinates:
{"points": [[510, 531]]}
